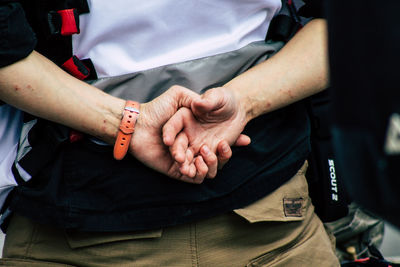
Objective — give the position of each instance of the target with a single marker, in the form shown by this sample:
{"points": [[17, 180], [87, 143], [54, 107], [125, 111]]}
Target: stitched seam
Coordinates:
{"points": [[193, 246], [278, 253], [28, 251], [196, 245], [274, 254]]}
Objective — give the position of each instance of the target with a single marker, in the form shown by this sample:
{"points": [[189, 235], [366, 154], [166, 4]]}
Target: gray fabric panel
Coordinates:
{"points": [[24, 145], [197, 75]]}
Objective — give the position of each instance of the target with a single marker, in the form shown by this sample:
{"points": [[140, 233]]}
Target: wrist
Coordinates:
{"points": [[112, 115], [126, 129], [243, 102], [135, 141]]}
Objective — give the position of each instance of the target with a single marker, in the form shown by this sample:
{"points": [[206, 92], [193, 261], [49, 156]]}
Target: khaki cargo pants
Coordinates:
{"points": [[278, 230]]}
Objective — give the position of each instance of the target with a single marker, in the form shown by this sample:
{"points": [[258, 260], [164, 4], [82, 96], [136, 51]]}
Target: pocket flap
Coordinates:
{"points": [[287, 203]]}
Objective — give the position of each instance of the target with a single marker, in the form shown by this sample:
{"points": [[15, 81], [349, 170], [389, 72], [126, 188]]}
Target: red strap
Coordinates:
{"points": [[69, 21], [126, 129], [75, 136], [76, 68], [362, 260]]}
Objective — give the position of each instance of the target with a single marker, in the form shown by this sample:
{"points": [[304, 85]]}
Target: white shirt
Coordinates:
{"points": [[123, 36]]}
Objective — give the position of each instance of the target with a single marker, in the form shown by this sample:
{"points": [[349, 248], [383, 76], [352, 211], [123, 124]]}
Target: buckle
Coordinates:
{"points": [[64, 22], [76, 68]]}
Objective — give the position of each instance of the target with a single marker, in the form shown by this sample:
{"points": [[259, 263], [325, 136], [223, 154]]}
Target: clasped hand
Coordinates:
{"points": [[188, 136]]}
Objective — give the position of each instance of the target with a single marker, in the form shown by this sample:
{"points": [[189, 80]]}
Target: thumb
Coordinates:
{"points": [[211, 100], [183, 96]]}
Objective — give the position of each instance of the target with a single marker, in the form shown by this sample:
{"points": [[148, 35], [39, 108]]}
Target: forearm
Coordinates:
{"points": [[39, 87], [298, 70]]}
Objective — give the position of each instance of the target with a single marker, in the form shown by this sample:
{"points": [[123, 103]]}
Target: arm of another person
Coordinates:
{"points": [[298, 70]]}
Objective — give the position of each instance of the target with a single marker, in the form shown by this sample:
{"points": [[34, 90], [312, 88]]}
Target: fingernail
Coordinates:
{"points": [[183, 169], [206, 150], [225, 148]]}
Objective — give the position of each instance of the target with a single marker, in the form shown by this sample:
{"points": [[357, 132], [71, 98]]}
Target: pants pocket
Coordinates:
{"points": [[289, 202]]}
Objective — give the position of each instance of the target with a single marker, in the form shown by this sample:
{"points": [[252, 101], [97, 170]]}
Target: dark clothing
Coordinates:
{"points": [[17, 39], [91, 191], [364, 41], [313, 9], [25, 25]]}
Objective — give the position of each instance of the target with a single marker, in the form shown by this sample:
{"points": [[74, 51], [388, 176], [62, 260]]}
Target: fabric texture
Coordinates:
{"points": [[366, 135], [17, 39], [266, 233], [10, 128], [163, 32], [96, 189]]}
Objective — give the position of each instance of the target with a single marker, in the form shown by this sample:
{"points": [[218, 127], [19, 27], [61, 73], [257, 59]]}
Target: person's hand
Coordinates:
{"points": [[212, 124], [147, 145]]}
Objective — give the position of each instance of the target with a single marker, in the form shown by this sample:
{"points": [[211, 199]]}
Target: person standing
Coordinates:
{"points": [[89, 208]]}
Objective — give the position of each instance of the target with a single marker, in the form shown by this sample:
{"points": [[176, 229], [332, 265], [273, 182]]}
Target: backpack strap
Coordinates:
{"points": [[64, 22], [284, 25], [325, 184], [54, 21], [76, 68], [324, 179]]}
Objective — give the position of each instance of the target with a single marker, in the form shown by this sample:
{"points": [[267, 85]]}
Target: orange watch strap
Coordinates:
{"points": [[126, 129]]}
